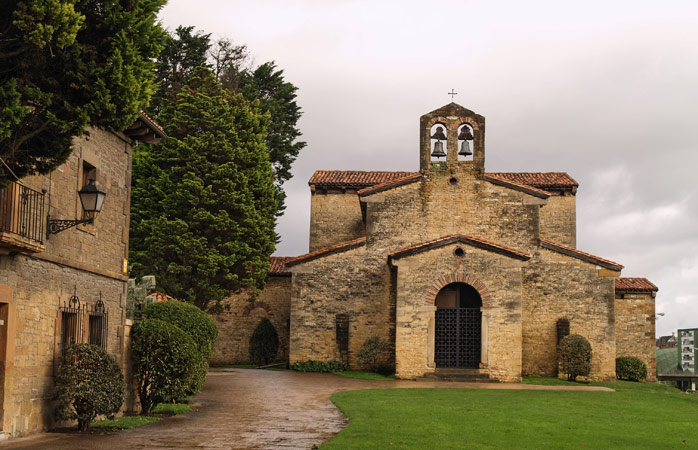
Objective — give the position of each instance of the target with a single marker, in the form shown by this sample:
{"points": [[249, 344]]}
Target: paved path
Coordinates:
{"points": [[245, 409]]}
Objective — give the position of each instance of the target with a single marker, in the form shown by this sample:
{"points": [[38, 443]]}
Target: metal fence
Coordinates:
{"points": [[22, 212]]}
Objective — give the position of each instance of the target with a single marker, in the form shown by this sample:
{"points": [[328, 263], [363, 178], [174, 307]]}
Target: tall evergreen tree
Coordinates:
{"points": [[278, 98], [203, 210], [66, 64]]}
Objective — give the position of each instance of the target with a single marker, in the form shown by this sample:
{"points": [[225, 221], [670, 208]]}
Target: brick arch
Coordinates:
{"points": [[254, 305], [458, 277], [445, 121]]}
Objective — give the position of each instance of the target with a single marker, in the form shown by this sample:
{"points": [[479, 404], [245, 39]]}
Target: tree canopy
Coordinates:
{"points": [[68, 64], [264, 87], [203, 208]]}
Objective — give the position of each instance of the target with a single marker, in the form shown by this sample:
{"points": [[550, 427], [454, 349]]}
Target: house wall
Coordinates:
{"points": [[236, 324], [556, 286], [88, 259], [558, 219], [635, 322], [335, 216]]}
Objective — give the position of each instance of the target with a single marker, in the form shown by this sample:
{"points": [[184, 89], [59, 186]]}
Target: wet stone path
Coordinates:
{"points": [[247, 409]]}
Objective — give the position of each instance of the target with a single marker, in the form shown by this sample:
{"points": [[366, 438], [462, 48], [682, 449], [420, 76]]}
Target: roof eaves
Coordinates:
{"points": [[540, 193], [389, 185], [338, 248], [458, 238], [578, 254]]}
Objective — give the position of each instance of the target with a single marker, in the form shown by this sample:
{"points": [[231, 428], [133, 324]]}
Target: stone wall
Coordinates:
{"points": [[558, 219], [88, 258], [335, 216], [556, 286], [236, 324], [353, 283], [635, 321], [498, 280]]}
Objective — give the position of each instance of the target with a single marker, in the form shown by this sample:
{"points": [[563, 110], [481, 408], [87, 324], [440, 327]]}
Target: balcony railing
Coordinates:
{"points": [[22, 218]]}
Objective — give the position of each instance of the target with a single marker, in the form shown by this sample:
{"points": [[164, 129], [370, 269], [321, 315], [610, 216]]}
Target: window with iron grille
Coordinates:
{"points": [[83, 324]]}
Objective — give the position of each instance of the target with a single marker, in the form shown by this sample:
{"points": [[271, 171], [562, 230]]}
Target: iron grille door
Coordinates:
{"points": [[457, 337]]}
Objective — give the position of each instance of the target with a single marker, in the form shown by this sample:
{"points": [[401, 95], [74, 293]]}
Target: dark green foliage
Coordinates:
{"points": [[277, 97], [319, 366], [189, 318], [574, 356], [89, 383], [630, 368], [184, 51], [67, 64], [372, 354], [165, 359], [264, 343], [203, 206]]}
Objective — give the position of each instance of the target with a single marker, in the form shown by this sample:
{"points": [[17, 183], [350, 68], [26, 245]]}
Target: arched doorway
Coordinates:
{"points": [[458, 327]]}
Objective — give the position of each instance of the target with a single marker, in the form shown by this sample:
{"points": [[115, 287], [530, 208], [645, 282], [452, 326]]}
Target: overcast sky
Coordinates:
{"points": [[605, 90]]}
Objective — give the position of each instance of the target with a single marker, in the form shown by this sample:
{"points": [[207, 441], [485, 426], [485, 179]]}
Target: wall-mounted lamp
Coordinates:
{"points": [[91, 197]]}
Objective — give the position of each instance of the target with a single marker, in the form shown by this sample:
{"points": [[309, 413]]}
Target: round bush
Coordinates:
{"points": [[630, 368], [165, 362], [195, 322], [89, 382], [574, 356], [264, 343]]}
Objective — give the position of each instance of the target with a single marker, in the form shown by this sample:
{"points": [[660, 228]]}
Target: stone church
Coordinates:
{"points": [[460, 270]]}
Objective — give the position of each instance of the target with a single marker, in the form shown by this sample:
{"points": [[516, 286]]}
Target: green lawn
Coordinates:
{"points": [[636, 416], [364, 375]]}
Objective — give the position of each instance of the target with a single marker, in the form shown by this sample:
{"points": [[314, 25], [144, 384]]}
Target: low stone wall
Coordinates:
{"points": [[242, 315]]}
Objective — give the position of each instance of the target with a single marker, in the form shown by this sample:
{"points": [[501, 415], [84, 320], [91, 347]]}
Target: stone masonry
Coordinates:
{"points": [[37, 279]]}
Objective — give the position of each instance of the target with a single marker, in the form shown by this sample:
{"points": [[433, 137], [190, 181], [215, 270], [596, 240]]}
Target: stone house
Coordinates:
{"points": [[62, 283], [460, 270]]}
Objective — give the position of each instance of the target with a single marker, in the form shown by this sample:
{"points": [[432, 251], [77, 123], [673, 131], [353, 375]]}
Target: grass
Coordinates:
{"points": [[636, 416], [128, 422], [364, 375], [171, 408], [124, 423]]}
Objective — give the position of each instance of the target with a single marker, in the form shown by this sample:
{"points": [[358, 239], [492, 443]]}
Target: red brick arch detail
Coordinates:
{"points": [[250, 306], [459, 278]]}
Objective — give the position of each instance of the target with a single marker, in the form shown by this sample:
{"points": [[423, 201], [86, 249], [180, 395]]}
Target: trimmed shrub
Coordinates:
{"points": [[372, 354], [195, 322], [630, 368], [574, 356], [319, 366], [89, 383], [165, 360], [264, 343]]}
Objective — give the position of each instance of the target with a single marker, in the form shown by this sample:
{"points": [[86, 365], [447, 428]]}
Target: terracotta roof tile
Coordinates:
{"points": [[540, 180], [583, 256], [390, 184], [453, 238], [278, 266], [338, 248], [628, 284], [160, 297], [354, 178], [518, 186]]}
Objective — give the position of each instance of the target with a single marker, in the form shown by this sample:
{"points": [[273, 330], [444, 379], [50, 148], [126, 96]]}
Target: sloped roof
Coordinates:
{"points": [[578, 254], [338, 248], [540, 180], [354, 178], [278, 266], [453, 238], [628, 284], [517, 186], [390, 184]]}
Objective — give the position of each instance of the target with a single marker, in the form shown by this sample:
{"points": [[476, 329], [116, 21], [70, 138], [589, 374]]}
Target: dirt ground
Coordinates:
{"points": [[247, 409]]}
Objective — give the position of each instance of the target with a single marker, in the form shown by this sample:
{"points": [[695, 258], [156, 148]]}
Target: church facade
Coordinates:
{"points": [[460, 270]]}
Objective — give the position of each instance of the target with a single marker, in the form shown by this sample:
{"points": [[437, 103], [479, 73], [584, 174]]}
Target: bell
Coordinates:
{"points": [[465, 149], [439, 134], [465, 134], [438, 150]]}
